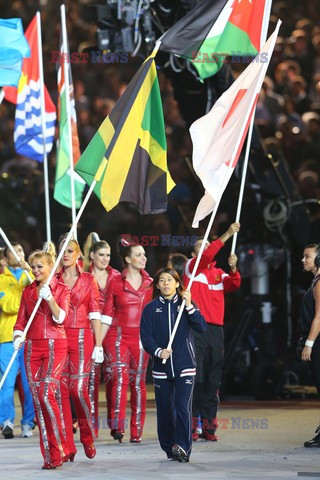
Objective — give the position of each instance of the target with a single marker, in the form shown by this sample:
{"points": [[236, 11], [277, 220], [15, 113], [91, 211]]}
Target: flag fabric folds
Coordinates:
{"points": [[218, 136], [132, 142], [13, 48], [215, 29], [28, 137], [62, 188]]}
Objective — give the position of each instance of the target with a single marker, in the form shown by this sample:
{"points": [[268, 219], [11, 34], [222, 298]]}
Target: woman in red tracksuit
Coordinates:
{"points": [[96, 261], [45, 353], [126, 360], [84, 309]]}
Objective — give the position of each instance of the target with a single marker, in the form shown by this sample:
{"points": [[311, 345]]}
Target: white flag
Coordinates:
{"points": [[218, 136]]}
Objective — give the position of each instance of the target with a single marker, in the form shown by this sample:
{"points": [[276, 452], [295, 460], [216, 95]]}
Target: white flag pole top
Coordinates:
{"points": [[264, 32], [53, 271], [14, 253], [43, 127], [66, 65]]}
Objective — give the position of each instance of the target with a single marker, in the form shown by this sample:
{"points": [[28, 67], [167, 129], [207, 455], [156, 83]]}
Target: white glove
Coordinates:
{"points": [[18, 342], [97, 355], [45, 293]]}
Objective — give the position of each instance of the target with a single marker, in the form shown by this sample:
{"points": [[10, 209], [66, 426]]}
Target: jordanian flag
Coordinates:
{"points": [[214, 30], [67, 147], [127, 156]]}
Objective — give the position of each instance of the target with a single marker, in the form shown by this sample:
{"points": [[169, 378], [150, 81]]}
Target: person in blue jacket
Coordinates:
{"points": [[174, 380]]}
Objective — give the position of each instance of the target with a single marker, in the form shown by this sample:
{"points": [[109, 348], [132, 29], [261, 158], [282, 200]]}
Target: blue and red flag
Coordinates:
{"points": [[28, 135]]}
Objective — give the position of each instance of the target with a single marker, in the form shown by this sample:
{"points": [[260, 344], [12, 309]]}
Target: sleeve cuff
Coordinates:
{"points": [[106, 319], [94, 316], [190, 309], [62, 316], [157, 353], [17, 333]]}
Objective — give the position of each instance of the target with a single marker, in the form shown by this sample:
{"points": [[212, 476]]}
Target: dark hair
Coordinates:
{"points": [[125, 249], [7, 249], [177, 261], [171, 272]]}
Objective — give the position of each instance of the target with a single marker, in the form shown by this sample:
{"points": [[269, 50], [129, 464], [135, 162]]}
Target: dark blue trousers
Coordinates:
{"points": [[174, 412]]}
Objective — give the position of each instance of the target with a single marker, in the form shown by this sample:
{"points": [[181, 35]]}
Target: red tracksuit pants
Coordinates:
{"points": [[45, 360], [126, 365], [75, 384]]}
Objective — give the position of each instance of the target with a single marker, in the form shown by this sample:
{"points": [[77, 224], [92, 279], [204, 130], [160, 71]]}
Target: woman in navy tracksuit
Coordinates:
{"points": [[173, 381]]}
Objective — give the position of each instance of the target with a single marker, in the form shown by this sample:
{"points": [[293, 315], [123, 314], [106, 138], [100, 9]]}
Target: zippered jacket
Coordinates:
{"points": [[43, 326], [210, 284], [157, 322], [124, 304], [112, 272], [10, 296], [84, 301]]}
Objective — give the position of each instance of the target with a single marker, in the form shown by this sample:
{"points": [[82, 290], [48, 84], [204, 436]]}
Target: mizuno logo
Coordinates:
{"points": [[159, 310], [188, 381]]}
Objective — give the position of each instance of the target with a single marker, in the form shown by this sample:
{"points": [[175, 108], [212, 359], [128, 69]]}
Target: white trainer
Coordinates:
{"points": [[7, 429], [26, 431]]}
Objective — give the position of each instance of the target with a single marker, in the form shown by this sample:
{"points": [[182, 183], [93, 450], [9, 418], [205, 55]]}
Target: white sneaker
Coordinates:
{"points": [[26, 431], [7, 429]]}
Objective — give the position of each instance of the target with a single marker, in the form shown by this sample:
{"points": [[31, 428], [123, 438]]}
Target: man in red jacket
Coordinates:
{"points": [[208, 289]]}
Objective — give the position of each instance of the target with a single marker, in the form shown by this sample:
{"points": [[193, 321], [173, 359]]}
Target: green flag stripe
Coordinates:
{"points": [[153, 113], [233, 41], [122, 108]]}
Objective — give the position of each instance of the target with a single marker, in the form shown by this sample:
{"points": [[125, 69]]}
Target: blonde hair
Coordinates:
{"points": [[51, 249], [91, 245], [41, 255], [72, 242]]}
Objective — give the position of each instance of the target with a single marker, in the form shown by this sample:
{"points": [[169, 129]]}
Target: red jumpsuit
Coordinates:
{"points": [[45, 354], [94, 383], [84, 306], [126, 360]]}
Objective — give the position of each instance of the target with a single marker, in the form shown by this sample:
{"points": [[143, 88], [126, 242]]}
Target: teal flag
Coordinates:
{"points": [[13, 48]]}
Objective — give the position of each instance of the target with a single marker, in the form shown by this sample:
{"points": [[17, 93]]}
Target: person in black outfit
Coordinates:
{"points": [[310, 322]]}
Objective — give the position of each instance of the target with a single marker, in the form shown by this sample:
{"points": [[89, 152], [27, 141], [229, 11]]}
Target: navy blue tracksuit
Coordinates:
{"points": [[173, 381]]}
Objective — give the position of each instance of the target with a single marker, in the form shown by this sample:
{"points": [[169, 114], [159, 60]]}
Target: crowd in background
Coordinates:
{"points": [[287, 117]]}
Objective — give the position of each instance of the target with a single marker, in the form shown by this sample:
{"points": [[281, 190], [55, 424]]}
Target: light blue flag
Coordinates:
{"points": [[13, 48]]}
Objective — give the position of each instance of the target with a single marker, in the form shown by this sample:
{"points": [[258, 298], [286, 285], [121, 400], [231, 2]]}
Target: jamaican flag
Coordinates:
{"points": [[127, 156]]}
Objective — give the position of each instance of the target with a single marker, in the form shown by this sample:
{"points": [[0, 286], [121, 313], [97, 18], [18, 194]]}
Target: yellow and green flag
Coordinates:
{"points": [[62, 187], [131, 144]]}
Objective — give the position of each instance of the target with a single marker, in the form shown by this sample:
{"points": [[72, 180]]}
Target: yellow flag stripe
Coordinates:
{"points": [[123, 151]]}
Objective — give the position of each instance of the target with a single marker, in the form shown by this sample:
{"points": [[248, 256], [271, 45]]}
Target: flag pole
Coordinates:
{"points": [[14, 253], [96, 179], [43, 127], [66, 67], [195, 268], [264, 32]]}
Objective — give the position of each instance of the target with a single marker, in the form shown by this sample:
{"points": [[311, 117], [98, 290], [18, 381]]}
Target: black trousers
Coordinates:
{"points": [[209, 349], [315, 363], [173, 400]]}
